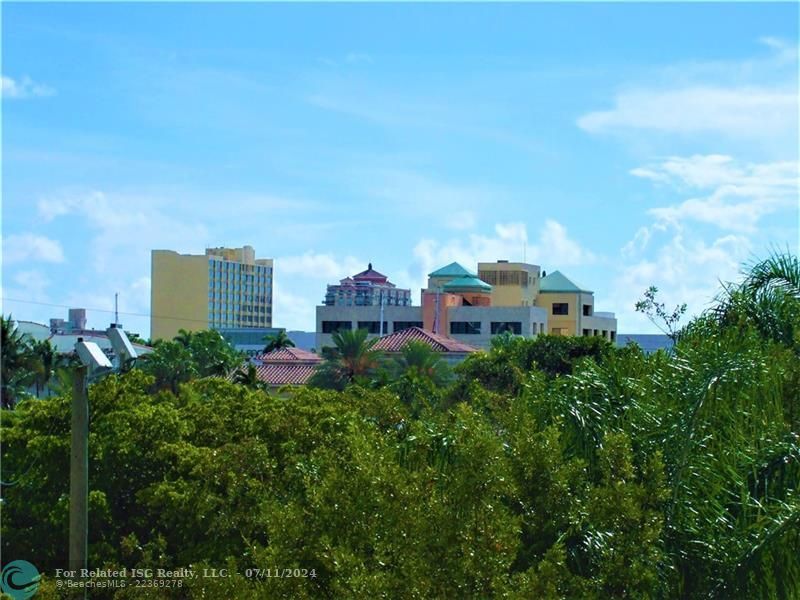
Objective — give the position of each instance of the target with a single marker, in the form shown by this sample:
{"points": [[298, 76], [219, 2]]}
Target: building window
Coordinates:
{"points": [[560, 308], [587, 310], [586, 333], [400, 325], [334, 326], [373, 326], [514, 327], [465, 327], [516, 278]]}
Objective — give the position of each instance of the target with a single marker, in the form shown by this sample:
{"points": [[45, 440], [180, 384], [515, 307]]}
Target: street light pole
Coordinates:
{"points": [[97, 364], [79, 473]]}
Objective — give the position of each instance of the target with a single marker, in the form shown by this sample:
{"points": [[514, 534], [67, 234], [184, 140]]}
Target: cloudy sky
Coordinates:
{"points": [[625, 145]]}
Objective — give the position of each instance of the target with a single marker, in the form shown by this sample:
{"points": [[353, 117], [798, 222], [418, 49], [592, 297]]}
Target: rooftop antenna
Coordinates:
{"points": [[116, 309]]}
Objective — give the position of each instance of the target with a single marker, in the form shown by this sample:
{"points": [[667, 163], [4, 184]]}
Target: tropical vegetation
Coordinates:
{"points": [[277, 341], [545, 468]]}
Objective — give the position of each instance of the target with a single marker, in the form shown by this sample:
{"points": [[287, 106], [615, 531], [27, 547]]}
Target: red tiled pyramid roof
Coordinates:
{"points": [[289, 355], [370, 274], [286, 374], [394, 342]]}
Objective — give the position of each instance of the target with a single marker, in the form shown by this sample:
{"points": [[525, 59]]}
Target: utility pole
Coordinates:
{"points": [[79, 473], [381, 314]]}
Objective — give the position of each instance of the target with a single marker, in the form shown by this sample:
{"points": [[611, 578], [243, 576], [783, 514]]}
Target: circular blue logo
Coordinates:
{"points": [[19, 579]]}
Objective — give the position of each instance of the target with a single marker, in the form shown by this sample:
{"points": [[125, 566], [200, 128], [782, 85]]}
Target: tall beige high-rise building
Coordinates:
{"points": [[223, 288]]}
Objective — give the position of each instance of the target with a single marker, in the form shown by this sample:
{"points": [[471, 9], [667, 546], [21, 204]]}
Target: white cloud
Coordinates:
{"points": [[784, 51], [747, 112], [28, 247], [740, 194], [325, 267], [126, 228], [300, 283], [748, 100], [24, 88], [552, 246], [684, 268], [555, 246], [672, 254], [26, 287], [295, 311]]}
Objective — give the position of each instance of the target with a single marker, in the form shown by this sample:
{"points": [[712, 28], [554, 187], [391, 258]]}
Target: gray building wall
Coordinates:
{"points": [[533, 321], [354, 314]]}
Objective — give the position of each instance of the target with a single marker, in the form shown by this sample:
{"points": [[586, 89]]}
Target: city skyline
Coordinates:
{"points": [[660, 149]]}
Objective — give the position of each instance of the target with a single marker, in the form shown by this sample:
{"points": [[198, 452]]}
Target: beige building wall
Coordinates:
{"points": [[560, 324], [576, 322], [513, 283], [178, 294], [223, 288]]}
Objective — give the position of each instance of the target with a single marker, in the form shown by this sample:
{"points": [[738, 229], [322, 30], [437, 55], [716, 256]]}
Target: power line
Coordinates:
{"points": [[101, 310]]}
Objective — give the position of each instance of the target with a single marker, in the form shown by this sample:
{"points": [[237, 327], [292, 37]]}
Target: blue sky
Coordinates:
{"points": [[623, 144]]}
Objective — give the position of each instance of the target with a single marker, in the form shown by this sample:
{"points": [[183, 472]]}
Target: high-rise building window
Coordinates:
{"points": [[400, 325], [373, 326], [465, 327], [334, 326], [514, 327]]}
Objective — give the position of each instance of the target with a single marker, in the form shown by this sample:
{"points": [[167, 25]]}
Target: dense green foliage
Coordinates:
{"points": [[188, 356], [548, 468]]}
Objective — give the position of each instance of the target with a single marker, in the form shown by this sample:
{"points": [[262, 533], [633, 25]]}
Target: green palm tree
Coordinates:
{"points": [[17, 362], [418, 359], [768, 297], [277, 342], [184, 338], [249, 378], [46, 361], [352, 358]]}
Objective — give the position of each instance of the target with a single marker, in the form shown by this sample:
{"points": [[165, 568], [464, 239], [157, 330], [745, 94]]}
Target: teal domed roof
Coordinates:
{"points": [[452, 270], [467, 283]]}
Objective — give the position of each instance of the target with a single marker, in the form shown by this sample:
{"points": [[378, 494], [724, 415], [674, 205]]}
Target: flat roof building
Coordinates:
{"points": [[223, 288]]}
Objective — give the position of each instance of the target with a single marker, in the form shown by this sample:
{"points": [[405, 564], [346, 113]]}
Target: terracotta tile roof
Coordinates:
{"points": [[394, 342], [289, 355], [286, 374]]}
